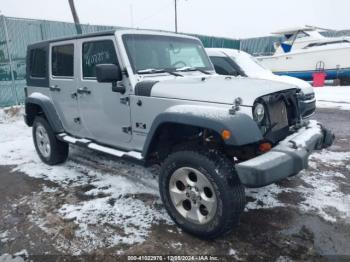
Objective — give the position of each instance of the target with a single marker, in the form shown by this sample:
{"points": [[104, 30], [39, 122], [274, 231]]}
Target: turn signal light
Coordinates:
{"points": [[264, 147], [226, 134]]}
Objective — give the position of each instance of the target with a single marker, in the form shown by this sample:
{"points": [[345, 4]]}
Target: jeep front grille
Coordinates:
{"points": [[278, 115], [282, 112]]}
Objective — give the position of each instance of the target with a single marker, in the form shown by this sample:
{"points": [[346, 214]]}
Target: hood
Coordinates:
{"points": [[217, 89], [303, 85]]}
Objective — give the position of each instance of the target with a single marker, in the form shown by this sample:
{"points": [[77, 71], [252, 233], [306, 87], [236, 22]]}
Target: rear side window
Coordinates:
{"points": [[97, 52], [37, 64], [62, 60]]}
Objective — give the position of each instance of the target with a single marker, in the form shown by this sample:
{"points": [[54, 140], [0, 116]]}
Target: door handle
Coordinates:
{"points": [[83, 90], [55, 88]]}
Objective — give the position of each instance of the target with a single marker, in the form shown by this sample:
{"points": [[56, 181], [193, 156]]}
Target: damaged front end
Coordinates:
{"points": [[292, 140], [287, 158], [281, 114]]}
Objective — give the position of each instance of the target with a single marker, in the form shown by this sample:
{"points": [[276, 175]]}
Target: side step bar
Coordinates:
{"points": [[92, 145]]}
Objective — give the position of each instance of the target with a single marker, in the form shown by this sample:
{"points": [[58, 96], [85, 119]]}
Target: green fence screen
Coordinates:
{"points": [[17, 33]]}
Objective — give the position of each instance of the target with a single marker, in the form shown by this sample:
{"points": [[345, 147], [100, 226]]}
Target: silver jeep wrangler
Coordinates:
{"points": [[155, 97]]}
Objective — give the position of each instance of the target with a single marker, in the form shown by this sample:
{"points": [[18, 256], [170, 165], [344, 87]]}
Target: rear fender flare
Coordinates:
{"points": [[45, 103]]}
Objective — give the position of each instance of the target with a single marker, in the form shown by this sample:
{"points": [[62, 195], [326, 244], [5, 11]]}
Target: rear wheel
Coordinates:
{"points": [[50, 150], [201, 192]]}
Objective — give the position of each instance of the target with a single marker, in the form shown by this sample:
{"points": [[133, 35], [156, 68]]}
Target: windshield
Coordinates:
{"points": [[165, 53], [249, 65]]}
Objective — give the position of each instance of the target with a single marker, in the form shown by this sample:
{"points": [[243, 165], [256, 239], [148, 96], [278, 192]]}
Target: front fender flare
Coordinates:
{"points": [[244, 129]]}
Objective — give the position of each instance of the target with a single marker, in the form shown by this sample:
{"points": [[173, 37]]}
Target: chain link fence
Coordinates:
{"points": [[15, 35]]}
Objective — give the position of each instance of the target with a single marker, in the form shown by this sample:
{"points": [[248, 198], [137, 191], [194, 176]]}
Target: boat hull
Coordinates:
{"points": [[303, 63]]}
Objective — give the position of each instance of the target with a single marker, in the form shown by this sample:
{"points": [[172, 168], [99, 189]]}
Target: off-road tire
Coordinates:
{"points": [[220, 172], [59, 149]]}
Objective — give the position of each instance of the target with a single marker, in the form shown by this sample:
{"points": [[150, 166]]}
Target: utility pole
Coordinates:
{"points": [[75, 17], [175, 16]]}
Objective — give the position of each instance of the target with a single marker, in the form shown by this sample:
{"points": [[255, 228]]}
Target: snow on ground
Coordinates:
{"points": [[233, 254], [333, 97], [320, 193], [10, 258], [115, 187], [331, 158], [4, 237], [20, 256], [10, 114]]}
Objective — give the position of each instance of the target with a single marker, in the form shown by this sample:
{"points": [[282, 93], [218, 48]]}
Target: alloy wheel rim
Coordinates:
{"points": [[192, 195], [42, 140]]}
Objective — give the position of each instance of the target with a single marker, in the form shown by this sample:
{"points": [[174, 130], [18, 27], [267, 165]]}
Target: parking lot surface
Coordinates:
{"points": [[103, 207]]}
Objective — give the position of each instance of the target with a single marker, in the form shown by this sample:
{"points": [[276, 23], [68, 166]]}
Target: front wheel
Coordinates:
{"points": [[201, 192], [50, 150]]}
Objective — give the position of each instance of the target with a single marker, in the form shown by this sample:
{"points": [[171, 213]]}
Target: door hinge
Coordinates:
{"points": [[124, 100], [127, 129], [77, 120]]}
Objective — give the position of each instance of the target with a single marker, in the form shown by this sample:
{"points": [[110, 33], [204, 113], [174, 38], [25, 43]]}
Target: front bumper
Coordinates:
{"points": [[288, 158]]}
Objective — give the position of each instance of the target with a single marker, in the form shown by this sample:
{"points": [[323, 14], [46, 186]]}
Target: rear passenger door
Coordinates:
{"points": [[63, 84], [105, 114]]}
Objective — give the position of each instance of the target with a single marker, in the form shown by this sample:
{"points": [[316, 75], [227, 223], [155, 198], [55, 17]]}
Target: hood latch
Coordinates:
{"points": [[236, 104]]}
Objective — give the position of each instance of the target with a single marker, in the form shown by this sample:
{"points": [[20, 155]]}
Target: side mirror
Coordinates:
{"points": [[108, 73]]}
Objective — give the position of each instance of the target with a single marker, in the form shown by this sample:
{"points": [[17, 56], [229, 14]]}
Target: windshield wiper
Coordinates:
{"points": [[155, 71], [189, 69]]}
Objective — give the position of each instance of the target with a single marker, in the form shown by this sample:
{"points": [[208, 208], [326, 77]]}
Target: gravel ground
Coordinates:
{"points": [[96, 207]]}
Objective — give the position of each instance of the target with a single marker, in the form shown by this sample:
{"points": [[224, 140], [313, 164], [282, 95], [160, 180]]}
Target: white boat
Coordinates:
{"points": [[306, 51]]}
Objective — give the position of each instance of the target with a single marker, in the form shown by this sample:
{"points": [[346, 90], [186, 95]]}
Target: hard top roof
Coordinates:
{"points": [[46, 42], [106, 33]]}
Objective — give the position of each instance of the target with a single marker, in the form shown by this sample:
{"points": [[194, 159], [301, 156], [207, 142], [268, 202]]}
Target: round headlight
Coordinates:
{"points": [[259, 112]]}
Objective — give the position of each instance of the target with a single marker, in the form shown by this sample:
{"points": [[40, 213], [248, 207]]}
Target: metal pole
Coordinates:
{"points": [[75, 17], [132, 16], [175, 16], [10, 59], [42, 30]]}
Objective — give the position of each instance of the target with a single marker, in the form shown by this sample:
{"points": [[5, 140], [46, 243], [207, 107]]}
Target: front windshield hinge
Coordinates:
{"points": [[125, 72]]}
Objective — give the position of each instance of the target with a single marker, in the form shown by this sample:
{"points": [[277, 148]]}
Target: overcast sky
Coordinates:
{"points": [[229, 18]]}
